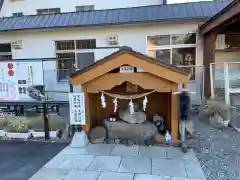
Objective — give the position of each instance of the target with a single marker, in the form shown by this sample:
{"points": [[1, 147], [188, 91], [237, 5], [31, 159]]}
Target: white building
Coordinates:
{"points": [[31, 7], [51, 32]]}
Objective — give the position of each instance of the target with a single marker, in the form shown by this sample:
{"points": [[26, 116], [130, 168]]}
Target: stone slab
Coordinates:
{"points": [[135, 164], [194, 170], [123, 150], [179, 178], [57, 161], [85, 175], [105, 163], [72, 151], [98, 149], [153, 151], [149, 177], [90, 149], [127, 131], [190, 156], [80, 162], [50, 174], [115, 176], [174, 152], [168, 167], [151, 163]]}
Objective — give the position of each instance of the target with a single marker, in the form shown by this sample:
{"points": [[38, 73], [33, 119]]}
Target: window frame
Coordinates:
{"points": [[63, 59], [94, 40], [174, 46], [75, 51]]}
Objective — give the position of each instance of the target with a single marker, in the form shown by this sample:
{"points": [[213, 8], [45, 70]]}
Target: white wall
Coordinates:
{"points": [[40, 44], [223, 56], [29, 6]]}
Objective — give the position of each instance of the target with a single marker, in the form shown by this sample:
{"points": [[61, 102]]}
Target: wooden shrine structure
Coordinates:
{"points": [[104, 75]]}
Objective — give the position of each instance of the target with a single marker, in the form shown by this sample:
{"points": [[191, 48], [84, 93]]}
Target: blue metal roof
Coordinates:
{"points": [[146, 14]]}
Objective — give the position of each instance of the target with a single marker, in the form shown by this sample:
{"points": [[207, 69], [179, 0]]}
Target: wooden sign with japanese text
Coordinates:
{"points": [[77, 109]]}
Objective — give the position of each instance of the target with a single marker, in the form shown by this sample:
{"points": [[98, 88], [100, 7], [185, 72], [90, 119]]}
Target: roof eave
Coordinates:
{"points": [[113, 24], [134, 53], [203, 28]]}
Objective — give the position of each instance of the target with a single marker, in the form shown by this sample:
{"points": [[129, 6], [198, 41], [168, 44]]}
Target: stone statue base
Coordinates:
{"points": [[125, 131]]}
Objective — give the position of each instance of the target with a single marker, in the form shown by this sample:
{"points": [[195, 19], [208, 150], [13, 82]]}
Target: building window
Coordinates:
{"points": [[49, 11], [86, 44], [18, 14], [176, 49], [84, 59], [65, 45], [85, 8], [63, 60], [160, 40], [5, 52], [184, 39], [78, 52]]}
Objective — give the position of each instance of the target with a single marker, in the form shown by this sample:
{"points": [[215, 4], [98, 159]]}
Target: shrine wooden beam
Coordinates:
{"points": [[208, 57], [174, 117], [220, 18]]}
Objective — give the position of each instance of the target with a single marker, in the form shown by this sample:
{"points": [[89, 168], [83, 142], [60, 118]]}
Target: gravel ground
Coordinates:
{"points": [[218, 152]]}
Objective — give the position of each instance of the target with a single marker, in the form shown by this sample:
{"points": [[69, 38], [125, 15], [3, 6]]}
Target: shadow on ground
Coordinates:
{"points": [[20, 160]]}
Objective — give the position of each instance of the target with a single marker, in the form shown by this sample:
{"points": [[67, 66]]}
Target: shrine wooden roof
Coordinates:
{"points": [[127, 56]]}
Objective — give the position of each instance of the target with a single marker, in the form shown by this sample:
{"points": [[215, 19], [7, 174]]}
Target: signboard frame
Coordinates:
{"points": [[77, 108]]}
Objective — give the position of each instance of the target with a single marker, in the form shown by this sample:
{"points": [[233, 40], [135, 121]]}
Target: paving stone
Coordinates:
{"points": [[57, 161], [123, 150], [72, 151], [115, 176], [91, 149], [135, 164], [98, 149], [153, 151], [149, 177], [105, 163], [84, 175], [194, 169], [80, 162], [168, 167], [179, 178], [190, 156], [174, 152], [140, 160], [50, 174]]}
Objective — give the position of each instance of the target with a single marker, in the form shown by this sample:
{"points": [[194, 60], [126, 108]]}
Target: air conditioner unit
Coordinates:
{"points": [[113, 40], [221, 42], [16, 44]]}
